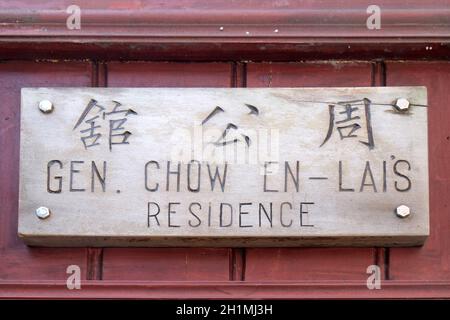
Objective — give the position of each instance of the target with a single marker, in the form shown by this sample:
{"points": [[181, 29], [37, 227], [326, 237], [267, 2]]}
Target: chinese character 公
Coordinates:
{"points": [[229, 134]]}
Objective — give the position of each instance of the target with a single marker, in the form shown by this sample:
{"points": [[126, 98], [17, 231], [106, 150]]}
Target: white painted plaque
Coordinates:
{"points": [[224, 167]]}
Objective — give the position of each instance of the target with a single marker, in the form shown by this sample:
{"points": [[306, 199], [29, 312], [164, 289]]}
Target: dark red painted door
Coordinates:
{"points": [[209, 59]]}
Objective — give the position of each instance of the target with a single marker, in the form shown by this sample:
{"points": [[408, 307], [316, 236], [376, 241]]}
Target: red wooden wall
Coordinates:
{"points": [[223, 272]]}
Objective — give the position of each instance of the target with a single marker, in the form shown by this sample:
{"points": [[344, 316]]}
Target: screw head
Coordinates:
{"points": [[43, 212], [402, 211], [221, 28], [46, 106], [401, 104]]}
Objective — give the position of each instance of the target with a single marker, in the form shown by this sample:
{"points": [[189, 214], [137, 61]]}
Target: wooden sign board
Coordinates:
{"points": [[224, 167]]}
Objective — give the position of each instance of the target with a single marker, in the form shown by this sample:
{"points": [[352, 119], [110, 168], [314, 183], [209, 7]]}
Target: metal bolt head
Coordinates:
{"points": [[401, 104], [43, 212], [46, 106], [402, 211]]}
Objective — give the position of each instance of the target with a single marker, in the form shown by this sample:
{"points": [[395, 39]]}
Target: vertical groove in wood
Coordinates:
{"points": [[94, 74], [102, 74], [385, 251], [376, 256], [386, 256], [238, 255], [237, 264], [94, 258], [374, 77], [379, 80], [378, 73], [233, 75], [94, 264]]}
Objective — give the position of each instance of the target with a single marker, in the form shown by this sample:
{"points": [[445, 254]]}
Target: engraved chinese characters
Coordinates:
{"points": [[224, 138], [94, 114], [350, 120]]}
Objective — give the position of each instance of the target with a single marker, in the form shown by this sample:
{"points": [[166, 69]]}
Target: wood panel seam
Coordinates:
{"points": [[94, 256], [238, 255]]}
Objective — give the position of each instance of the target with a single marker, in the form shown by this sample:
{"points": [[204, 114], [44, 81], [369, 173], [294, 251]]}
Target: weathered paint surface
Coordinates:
{"points": [[38, 272]]}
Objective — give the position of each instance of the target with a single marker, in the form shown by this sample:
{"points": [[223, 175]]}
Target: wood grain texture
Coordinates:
{"points": [[237, 255], [309, 265], [170, 264], [297, 263], [432, 261], [191, 30], [174, 264], [168, 74], [303, 27], [17, 260], [95, 255]]}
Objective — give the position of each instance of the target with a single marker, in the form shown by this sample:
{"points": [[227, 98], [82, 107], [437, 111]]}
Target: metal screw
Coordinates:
{"points": [[276, 30], [402, 211], [221, 28], [401, 104], [46, 106], [43, 212]]}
